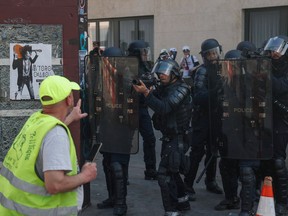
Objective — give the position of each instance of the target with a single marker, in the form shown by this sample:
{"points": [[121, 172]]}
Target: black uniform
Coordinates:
{"points": [[140, 49], [280, 133], [146, 130], [115, 165], [229, 168], [172, 106], [206, 121], [249, 169]]}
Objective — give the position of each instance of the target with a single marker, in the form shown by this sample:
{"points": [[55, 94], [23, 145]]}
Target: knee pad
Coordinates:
{"points": [[163, 180], [117, 170], [280, 168], [279, 164], [247, 174], [162, 177]]}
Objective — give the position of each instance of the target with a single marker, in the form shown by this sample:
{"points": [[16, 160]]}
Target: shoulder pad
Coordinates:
{"points": [[179, 94]]}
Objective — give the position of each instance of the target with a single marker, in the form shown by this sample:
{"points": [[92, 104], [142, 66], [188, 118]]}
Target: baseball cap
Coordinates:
{"points": [[54, 89], [186, 48]]}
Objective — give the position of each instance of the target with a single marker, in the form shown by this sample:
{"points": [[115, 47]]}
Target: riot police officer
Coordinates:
{"points": [[141, 50], [115, 167], [248, 169], [202, 140], [277, 49], [171, 102], [229, 168]]}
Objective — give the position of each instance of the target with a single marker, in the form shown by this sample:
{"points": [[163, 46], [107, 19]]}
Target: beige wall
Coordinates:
{"points": [[185, 22]]}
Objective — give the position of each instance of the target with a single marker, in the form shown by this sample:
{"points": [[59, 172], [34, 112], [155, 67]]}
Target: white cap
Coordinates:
{"points": [[173, 50], [186, 48]]}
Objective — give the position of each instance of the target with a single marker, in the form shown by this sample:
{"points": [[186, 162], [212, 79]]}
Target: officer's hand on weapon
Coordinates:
{"points": [[76, 114], [141, 88]]}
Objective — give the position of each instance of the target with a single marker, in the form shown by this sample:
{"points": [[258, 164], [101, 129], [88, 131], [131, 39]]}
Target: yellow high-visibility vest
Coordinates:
{"points": [[22, 192]]}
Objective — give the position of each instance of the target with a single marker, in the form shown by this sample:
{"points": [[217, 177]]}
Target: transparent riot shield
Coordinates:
{"points": [[113, 105], [241, 108]]}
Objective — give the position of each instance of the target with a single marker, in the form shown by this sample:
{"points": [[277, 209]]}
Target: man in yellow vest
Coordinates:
{"points": [[40, 173]]}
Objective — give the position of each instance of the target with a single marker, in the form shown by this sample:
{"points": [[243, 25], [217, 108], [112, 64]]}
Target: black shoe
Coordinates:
{"points": [[108, 203], [183, 206], [150, 174], [191, 194], [213, 187], [120, 210], [228, 204]]}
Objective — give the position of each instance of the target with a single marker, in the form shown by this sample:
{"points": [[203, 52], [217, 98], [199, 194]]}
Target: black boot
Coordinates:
{"points": [[150, 174], [247, 178], [120, 187], [183, 204], [108, 203], [190, 193], [228, 204], [211, 184], [280, 185]]}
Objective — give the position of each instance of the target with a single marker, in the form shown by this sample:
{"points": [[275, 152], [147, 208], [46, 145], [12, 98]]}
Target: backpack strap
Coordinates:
{"points": [[192, 60]]}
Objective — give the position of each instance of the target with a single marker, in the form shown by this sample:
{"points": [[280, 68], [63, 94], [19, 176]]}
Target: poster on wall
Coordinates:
{"points": [[29, 65]]}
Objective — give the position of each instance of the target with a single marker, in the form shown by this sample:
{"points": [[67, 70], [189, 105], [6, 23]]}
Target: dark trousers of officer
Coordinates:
{"points": [[229, 170], [169, 179], [199, 147], [147, 133], [116, 171], [280, 176]]}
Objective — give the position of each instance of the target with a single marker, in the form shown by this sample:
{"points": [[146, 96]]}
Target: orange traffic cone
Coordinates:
{"points": [[266, 204]]}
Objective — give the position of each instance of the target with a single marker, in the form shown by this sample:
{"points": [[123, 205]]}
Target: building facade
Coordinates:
{"points": [[168, 23]]}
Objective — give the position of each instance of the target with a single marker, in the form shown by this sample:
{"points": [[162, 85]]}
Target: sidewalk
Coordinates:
{"points": [[144, 196]]}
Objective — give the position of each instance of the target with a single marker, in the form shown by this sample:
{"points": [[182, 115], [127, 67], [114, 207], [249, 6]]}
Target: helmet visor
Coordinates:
{"points": [[145, 54], [162, 67], [276, 44], [212, 54]]}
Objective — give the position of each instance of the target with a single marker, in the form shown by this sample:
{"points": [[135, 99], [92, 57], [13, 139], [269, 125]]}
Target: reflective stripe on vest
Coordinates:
{"points": [[22, 191], [8, 204]]}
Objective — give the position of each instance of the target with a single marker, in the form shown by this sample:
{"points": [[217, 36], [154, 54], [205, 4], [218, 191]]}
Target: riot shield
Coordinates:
{"points": [[113, 106], [241, 110]]}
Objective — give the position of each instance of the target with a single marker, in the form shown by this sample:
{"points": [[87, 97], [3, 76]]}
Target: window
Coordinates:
{"points": [[121, 32], [263, 23]]}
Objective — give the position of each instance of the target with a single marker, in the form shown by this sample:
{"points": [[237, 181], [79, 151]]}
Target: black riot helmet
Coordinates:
{"points": [[233, 54], [140, 49], [247, 49], [246, 45], [278, 44], [168, 67], [112, 52], [210, 50]]}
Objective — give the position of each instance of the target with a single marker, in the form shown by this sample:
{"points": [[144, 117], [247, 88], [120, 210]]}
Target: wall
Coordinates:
{"points": [[185, 22], [35, 21]]}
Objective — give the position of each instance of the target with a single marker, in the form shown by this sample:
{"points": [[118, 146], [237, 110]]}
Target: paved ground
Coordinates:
{"points": [[144, 196]]}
